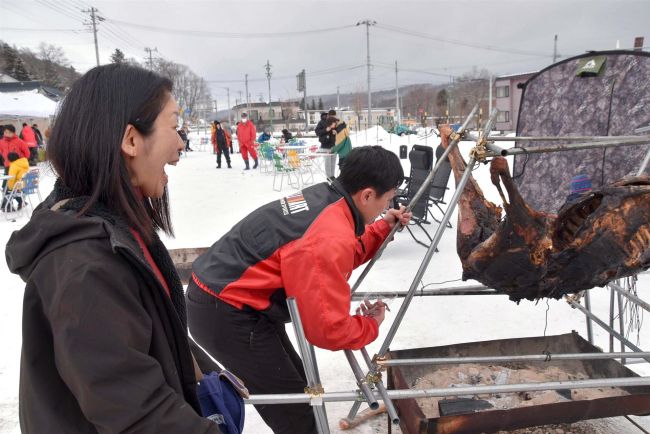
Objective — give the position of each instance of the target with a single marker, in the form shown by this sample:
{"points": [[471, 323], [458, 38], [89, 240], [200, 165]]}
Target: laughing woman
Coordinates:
{"points": [[105, 347]]}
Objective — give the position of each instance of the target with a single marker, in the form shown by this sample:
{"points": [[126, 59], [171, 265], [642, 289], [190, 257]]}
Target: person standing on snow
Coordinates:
{"points": [[303, 246], [246, 138], [221, 143]]}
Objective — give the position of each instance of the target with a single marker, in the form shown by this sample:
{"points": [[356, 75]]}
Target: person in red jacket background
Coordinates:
{"points": [[246, 136], [10, 142], [29, 137], [303, 246]]}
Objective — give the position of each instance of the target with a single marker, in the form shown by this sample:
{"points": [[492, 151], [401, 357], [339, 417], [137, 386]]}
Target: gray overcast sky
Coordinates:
{"points": [[430, 40]]}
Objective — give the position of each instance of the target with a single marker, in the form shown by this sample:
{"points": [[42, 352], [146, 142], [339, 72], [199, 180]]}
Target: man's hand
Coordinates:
{"points": [[392, 216], [376, 310]]}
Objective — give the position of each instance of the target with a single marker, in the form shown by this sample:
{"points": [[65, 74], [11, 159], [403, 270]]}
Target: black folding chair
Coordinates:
{"points": [[421, 158], [439, 184]]}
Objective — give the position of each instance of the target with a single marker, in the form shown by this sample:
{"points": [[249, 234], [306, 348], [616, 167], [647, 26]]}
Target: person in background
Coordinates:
{"points": [[11, 143], [221, 141], [343, 144], [286, 136], [264, 137], [105, 345], [327, 137], [18, 167], [28, 135], [39, 136], [304, 246], [246, 138]]}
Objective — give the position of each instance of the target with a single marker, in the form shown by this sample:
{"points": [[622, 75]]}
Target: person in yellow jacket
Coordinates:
{"points": [[18, 167], [342, 143]]}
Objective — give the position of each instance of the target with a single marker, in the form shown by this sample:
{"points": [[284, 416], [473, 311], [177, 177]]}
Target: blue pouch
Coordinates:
{"points": [[221, 398]]}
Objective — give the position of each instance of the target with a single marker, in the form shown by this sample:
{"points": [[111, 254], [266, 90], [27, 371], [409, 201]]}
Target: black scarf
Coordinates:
{"points": [[156, 248]]}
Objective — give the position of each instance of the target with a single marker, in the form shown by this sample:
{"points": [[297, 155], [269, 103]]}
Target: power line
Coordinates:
{"points": [[459, 42], [210, 34]]}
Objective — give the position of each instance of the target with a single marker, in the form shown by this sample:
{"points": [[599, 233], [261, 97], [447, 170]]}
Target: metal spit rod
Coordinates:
{"points": [[508, 359], [568, 147], [300, 398]]}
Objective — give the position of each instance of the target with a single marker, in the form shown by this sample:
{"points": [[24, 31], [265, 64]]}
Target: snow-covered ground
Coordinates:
{"points": [[207, 202]]}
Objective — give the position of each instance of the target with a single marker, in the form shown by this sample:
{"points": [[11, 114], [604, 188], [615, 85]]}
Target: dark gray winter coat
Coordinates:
{"points": [[105, 348]]}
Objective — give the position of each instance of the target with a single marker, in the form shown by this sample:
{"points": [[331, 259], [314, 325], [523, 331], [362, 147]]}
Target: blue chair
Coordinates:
{"points": [[30, 187]]}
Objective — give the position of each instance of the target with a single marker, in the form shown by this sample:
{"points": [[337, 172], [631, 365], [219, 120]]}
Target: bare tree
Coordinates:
{"points": [[189, 89]]}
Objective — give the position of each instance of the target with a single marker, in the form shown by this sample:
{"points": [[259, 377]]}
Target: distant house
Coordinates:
{"points": [[507, 99]]}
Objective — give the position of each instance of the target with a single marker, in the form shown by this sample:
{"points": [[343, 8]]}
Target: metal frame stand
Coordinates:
{"points": [[371, 387]]}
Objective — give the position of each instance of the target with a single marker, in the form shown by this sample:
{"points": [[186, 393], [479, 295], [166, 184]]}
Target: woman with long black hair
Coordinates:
{"points": [[105, 345]]}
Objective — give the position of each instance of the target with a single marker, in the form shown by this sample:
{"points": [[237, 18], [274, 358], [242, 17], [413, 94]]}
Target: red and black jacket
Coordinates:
{"points": [[304, 246]]}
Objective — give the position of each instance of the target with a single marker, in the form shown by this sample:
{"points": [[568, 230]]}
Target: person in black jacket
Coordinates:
{"points": [[105, 346], [222, 144], [327, 138]]}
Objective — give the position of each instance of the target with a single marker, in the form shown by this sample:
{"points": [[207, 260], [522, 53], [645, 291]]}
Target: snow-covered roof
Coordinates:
{"points": [[26, 103]]}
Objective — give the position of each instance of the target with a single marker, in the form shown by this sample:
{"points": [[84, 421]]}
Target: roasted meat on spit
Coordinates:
{"points": [[600, 236]]}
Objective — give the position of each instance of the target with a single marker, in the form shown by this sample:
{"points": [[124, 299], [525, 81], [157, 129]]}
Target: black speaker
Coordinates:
{"points": [[402, 152]]}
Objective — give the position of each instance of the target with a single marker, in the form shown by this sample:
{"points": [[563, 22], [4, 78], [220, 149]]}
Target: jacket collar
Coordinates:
{"points": [[359, 224]]}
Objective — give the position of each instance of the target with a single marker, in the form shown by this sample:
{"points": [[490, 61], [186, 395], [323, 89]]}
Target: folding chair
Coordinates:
{"points": [[421, 158], [439, 184], [30, 187], [282, 169], [8, 197], [301, 165]]}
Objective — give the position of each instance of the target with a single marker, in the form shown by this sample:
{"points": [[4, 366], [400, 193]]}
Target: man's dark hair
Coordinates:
{"points": [[10, 127], [217, 123], [12, 156], [323, 115], [85, 145], [371, 166], [24, 124], [332, 112]]}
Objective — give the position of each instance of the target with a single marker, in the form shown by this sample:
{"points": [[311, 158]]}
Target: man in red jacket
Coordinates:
{"points": [[11, 143], [246, 137], [303, 246]]}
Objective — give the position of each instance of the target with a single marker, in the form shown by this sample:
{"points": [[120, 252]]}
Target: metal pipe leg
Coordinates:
{"points": [[390, 407], [311, 371], [361, 380]]}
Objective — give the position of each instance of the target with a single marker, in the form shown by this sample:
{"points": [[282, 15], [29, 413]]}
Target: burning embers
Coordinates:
{"points": [[600, 236]]}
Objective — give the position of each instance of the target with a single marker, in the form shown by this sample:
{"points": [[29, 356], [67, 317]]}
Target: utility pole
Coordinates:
{"points": [[248, 104], [368, 23], [554, 48], [490, 96], [302, 87], [268, 77], [150, 61], [398, 112], [229, 108], [94, 18], [338, 99]]}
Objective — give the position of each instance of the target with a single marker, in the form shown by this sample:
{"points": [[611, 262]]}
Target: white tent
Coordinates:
{"points": [[26, 104]]}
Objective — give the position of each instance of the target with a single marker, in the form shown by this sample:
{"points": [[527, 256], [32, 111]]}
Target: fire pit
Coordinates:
{"points": [[494, 412]]}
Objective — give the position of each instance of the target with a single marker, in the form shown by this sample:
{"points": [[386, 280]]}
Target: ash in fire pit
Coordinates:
{"points": [[475, 374]]}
